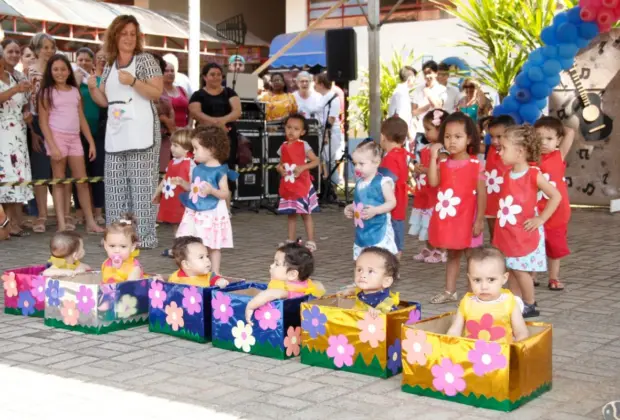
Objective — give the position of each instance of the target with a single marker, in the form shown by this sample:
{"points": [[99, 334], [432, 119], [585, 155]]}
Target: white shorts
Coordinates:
{"points": [[419, 220]]}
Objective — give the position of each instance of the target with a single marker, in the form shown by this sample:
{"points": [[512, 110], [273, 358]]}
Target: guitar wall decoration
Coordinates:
{"points": [[593, 123]]}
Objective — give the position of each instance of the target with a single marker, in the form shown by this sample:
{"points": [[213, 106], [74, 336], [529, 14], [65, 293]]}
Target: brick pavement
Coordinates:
{"points": [[142, 370]]}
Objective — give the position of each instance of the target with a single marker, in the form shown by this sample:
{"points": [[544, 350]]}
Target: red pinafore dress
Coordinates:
{"points": [[553, 169], [425, 195], [452, 222], [170, 208], [297, 195], [494, 178]]}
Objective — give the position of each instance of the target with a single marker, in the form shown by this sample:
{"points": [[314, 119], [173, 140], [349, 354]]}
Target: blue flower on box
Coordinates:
{"points": [[26, 303], [54, 292], [313, 321], [394, 362]]}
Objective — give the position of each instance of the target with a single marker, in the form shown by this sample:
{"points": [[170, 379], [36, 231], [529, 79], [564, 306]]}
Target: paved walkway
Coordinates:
{"points": [[137, 371]]}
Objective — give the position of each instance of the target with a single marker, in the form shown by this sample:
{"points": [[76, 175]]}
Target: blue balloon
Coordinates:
{"points": [[582, 42], [567, 33], [498, 110], [547, 35], [522, 95], [536, 57], [573, 15], [550, 51], [588, 30], [510, 104], [541, 104], [551, 67], [529, 112], [567, 50], [536, 74], [523, 80], [553, 81], [560, 18], [567, 63], [540, 90]]}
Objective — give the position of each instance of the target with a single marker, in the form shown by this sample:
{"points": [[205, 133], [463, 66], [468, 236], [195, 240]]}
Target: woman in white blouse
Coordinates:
{"points": [[308, 100]]}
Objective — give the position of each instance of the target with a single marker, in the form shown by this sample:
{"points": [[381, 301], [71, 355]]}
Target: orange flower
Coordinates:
{"points": [[292, 341], [10, 285], [372, 330], [175, 316], [69, 312]]}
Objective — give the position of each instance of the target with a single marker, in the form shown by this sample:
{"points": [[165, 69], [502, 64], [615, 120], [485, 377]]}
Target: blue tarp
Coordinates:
{"points": [[309, 51]]}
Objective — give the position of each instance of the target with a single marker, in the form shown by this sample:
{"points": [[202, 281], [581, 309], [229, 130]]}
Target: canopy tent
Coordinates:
{"points": [[309, 51]]}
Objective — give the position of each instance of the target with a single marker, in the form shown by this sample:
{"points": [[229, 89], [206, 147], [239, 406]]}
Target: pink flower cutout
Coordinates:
{"points": [[414, 316], [267, 316], [38, 288], [416, 346], [357, 215], [175, 316], [448, 377], [10, 284], [372, 330], [486, 356], [340, 350], [194, 190], [221, 307], [69, 313], [192, 300], [292, 341], [484, 330], [157, 295]]}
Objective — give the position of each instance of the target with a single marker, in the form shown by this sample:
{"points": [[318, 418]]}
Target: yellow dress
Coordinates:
{"points": [[279, 106], [384, 306], [490, 321], [61, 263], [111, 274], [198, 281], [297, 289]]}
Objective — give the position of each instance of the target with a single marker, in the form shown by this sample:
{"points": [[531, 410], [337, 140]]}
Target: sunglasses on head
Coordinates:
{"points": [[469, 87]]}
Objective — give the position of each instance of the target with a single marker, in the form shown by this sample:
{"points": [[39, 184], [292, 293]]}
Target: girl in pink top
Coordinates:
{"points": [[62, 118]]}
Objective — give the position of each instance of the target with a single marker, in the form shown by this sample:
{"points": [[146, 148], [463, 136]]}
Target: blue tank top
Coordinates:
{"points": [[201, 173], [374, 229], [472, 111]]}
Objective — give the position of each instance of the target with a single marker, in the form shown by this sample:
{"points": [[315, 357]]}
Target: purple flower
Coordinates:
{"points": [[394, 361], [85, 300], [192, 300], [221, 307], [54, 292], [486, 356], [157, 295], [38, 288], [313, 321], [414, 316], [26, 302]]}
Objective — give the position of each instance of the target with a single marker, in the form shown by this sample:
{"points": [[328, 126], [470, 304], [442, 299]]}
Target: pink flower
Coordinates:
{"points": [[448, 377], [484, 330], [38, 288], [194, 191], [486, 356], [267, 316], [292, 341], [416, 346], [221, 307], [340, 350], [357, 215], [157, 295], [192, 300], [372, 330], [10, 284], [175, 316], [69, 312], [414, 316]]}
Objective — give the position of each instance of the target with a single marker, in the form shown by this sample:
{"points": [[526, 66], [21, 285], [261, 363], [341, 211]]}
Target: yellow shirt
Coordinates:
{"points": [[490, 321], [198, 281], [279, 106], [61, 263], [297, 288]]}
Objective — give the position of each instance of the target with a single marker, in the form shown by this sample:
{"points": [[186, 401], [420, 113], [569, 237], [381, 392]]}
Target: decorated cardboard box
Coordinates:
{"points": [[335, 336], [276, 332], [82, 303], [475, 372], [183, 311], [24, 291]]}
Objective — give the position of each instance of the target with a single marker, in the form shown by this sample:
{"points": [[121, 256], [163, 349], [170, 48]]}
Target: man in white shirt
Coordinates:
{"points": [[333, 145], [453, 94], [180, 79], [400, 102], [432, 95]]}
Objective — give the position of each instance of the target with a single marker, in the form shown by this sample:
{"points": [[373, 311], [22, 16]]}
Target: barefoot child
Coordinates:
{"points": [[67, 249], [519, 231], [486, 271], [192, 258], [556, 143], [297, 195], [120, 242], [458, 219]]}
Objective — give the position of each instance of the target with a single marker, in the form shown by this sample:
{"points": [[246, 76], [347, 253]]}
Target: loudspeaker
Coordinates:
{"points": [[341, 52]]}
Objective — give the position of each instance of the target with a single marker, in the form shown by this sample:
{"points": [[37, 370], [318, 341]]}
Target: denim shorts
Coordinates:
{"points": [[399, 233]]}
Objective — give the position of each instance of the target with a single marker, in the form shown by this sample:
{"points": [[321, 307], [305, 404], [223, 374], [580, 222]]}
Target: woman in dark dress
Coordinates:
{"points": [[217, 105]]}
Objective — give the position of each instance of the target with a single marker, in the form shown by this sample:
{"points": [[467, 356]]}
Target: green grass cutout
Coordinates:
{"points": [[163, 328], [259, 349], [115, 326], [320, 358], [481, 401], [17, 311]]}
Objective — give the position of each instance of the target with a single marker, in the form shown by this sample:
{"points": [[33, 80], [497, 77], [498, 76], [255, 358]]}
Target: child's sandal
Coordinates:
{"points": [[435, 258], [311, 245], [555, 285], [425, 253], [444, 297]]}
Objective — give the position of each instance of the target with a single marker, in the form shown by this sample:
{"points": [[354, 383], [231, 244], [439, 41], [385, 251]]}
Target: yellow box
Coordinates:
{"points": [[475, 372], [335, 336]]}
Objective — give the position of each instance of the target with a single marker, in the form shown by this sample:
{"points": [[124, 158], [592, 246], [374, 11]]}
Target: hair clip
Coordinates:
{"points": [[124, 222], [437, 114]]}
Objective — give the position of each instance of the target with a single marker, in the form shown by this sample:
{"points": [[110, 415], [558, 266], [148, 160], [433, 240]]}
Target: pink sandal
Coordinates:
{"points": [[436, 257], [423, 255]]}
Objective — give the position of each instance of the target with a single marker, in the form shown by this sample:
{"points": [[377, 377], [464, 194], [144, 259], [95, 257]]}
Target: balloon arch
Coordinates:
{"points": [[570, 31]]}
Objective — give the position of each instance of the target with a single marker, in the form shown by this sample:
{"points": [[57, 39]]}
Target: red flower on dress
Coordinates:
{"points": [[484, 330]]}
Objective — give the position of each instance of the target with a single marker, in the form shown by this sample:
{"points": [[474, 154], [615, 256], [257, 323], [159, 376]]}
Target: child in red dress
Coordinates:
{"points": [[167, 195], [519, 232], [394, 131], [426, 196], [494, 167], [297, 194], [458, 220], [556, 143]]}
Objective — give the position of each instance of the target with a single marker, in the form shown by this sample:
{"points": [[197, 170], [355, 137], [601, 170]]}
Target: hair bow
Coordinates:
{"points": [[125, 222], [437, 114]]}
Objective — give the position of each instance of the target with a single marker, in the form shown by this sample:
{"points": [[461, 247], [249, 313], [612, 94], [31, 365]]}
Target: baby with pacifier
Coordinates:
{"points": [[120, 241]]}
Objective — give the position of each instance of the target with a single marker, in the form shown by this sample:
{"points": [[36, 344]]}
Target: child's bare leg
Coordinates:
{"points": [[292, 226], [525, 283], [308, 224], [453, 268], [491, 224], [215, 255], [554, 274]]}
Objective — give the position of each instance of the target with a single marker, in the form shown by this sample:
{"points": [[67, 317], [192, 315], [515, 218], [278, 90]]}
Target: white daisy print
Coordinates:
{"points": [[446, 203], [290, 172], [541, 194], [507, 211], [168, 189], [493, 181], [421, 181]]}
